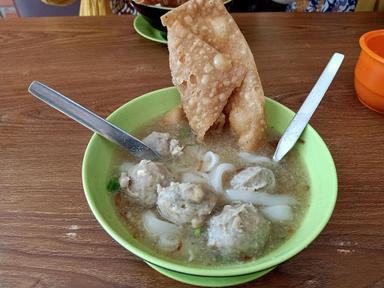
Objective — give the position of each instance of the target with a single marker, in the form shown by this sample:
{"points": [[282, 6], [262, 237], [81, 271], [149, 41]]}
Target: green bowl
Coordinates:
{"points": [[99, 157]]}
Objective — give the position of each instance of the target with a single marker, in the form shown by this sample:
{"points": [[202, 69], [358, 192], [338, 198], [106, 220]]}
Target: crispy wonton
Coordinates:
{"points": [[209, 21], [204, 77]]}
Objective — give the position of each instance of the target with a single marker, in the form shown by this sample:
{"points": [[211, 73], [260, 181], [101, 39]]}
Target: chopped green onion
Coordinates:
{"points": [[197, 232], [113, 185]]}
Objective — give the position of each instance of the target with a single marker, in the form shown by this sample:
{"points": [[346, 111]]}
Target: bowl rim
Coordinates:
{"points": [[138, 24], [364, 46], [205, 271], [165, 7]]}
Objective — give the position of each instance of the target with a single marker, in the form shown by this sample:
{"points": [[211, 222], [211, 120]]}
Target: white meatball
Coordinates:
{"points": [[238, 230], [256, 178], [158, 142], [163, 144], [141, 181], [184, 203]]}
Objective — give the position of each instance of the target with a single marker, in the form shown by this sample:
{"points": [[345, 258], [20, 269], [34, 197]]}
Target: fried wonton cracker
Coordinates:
{"points": [[204, 77], [210, 21]]}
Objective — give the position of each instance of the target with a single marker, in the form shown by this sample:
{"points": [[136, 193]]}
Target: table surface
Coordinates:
{"points": [[48, 235]]}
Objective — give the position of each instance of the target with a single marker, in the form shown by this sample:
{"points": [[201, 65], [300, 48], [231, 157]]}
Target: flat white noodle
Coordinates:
{"points": [[258, 198], [169, 242], [210, 161], [195, 177], [216, 176], [156, 227], [278, 213], [255, 159]]}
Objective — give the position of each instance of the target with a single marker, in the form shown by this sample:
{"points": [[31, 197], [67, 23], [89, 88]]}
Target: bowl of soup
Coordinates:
{"points": [[153, 10], [208, 209]]}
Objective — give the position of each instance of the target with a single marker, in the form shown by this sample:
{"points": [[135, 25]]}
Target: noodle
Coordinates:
{"points": [[258, 198], [210, 161], [216, 176]]}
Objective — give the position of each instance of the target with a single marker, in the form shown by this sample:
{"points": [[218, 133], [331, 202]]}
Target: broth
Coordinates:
{"points": [[290, 175]]}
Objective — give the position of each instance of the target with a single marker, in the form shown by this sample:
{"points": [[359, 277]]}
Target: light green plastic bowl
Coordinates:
{"points": [[133, 115]]}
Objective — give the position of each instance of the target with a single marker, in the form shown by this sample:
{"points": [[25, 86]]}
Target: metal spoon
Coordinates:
{"points": [[301, 119], [92, 121]]}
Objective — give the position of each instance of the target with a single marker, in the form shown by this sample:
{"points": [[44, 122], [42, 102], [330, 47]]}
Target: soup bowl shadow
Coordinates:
{"points": [[99, 157]]}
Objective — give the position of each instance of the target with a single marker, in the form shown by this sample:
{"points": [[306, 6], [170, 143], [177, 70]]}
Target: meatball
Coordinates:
{"points": [[163, 144], [141, 181], [184, 203], [256, 178], [239, 229], [158, 142]]}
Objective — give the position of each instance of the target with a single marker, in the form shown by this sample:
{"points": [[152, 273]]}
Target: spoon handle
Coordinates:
{"points": [[301, 119], [91, 121]]}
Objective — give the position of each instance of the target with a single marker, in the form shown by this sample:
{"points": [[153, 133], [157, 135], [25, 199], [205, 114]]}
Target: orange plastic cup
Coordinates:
{"points": [[369, 71]]}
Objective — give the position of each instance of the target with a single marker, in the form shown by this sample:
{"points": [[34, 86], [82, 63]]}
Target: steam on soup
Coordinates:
{"points": [[209, 204]]}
